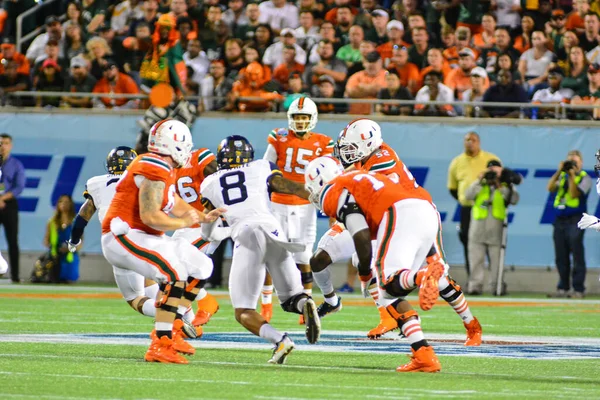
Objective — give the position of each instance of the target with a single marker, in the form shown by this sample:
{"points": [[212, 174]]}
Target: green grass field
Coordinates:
{"points": [[86, 343]]}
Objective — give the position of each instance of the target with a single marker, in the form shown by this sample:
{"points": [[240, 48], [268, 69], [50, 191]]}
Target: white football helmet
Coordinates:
{"points": [[303, 106], [318, 173], [359, 140], [171, 138]]}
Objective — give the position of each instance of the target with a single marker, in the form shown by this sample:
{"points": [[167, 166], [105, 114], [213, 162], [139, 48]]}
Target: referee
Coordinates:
{"points": [[12, 184]]}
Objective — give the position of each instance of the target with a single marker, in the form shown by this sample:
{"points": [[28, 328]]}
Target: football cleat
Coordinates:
{"points": [[473, 333], [266, 311], [207, 307], [325, 308], [386, 324], [179, 343], [189, 331], [313, 323], [422, 360], [282, 349], [428, 281], [161, 350]]}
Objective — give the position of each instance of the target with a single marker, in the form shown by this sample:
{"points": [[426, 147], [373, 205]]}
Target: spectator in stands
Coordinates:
{"points": [[251, 55], [185, 27], [556, 27], [274, 54], [74, 42], [505, 62], [197, 60], [350, 53], [378, 33], [463, 40], [344, 20], [49, 80], [164, 63], [506, 91], [434, 90], [74, 15], [215, 87], [331, 14], [436, 62], [234, 58], [394, 91], [489, 57], [263, 38], [279, 14], [98, 52], [572, 187], [553, 94], [395, 31], [246, 30], [523, 41], [235, 15], [214, 34], [328, 65], [562, 56], [150, 8], [289, 67], [12, 81], [366, 84], [448, 37], [58, 232], [417, 53], [294, 90], [124, 13], [471, 14], [576, 77], [534, 63], [479, 84], [365, 48], [589, 95], [307, 34], [52, 52], [8, 52], [575, 19], [459, 78], [115, 45], [589, 39], [327, 90], [136, 49], [94, 14], [327, 32], [115, 82], [53, 32], [507, 12], [416, 20], [407, 71], [251, 84], [315, 7], [486, 39], [79, 81]]}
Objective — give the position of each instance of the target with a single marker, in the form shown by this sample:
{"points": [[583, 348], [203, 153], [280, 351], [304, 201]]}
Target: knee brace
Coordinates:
{"points": [[393, 288], [138, 303], [170, 291], [306, 277], [401, 318], [291, 304], [193, 283], [452, 292]]}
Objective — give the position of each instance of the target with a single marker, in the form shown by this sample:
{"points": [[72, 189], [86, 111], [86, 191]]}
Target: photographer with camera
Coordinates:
{"points": [[491, 194], [572, 186]]}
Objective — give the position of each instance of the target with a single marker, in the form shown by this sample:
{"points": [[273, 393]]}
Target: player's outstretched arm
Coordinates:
{"points": [[281, 185], [151, 198], [211, 168], [86, 212]]}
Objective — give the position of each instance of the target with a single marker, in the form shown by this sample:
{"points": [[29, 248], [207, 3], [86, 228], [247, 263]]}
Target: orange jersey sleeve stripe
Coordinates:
{"points": [[150, 257], [156, 162]]}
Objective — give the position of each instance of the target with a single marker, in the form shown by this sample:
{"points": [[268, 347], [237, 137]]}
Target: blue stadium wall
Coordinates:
{"points": [[61, 152]]}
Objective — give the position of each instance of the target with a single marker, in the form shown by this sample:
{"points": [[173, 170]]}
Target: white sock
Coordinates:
{"points": [[301, 303], [412, 331], [163, 326], [267, 294], [332, 300], [189, 315], [182, 310], [271, 334], [323, 279], [148, 308], [201, 294], [151, 292], [307, 291]]}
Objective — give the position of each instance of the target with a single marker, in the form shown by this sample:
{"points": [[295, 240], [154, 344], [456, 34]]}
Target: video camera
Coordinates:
{"points": [[507, 176], [568, 165]]}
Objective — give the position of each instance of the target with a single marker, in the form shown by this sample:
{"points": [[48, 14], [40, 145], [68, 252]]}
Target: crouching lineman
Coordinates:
{"points": [[405, 224], [133, 234], [360, 145], [260, 245]]}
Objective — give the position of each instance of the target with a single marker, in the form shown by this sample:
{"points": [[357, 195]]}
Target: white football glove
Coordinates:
{"points": [[589, 222], [73, 246]]}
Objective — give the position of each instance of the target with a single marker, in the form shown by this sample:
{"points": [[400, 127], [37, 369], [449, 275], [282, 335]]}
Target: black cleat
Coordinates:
{"points": [[312, 321], [325, 308]]}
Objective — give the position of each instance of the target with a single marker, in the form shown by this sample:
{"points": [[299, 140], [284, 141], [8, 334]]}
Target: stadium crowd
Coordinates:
{"points": [[249, 56]]}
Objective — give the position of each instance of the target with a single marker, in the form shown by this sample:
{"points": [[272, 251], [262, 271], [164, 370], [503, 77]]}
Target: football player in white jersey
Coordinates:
{"points": [[99, 191], [260, 244]]}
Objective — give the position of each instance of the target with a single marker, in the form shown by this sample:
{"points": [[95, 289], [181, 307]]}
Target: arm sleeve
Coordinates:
{"points": [[270, 154]]}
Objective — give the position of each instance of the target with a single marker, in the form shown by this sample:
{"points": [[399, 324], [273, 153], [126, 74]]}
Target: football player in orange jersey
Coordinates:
{"points": [[133, 235], [189, 178], [405, 224], [361, 146], [291, 150]]}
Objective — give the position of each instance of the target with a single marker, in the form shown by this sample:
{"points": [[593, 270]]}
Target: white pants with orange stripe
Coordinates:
{"points": [[254, 253], [406, 233], [160, 258], [338, 243], [299, 222], [194, 236]]}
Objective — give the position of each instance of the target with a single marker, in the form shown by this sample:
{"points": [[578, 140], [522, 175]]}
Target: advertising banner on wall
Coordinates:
{"points": [[60, 152]]}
